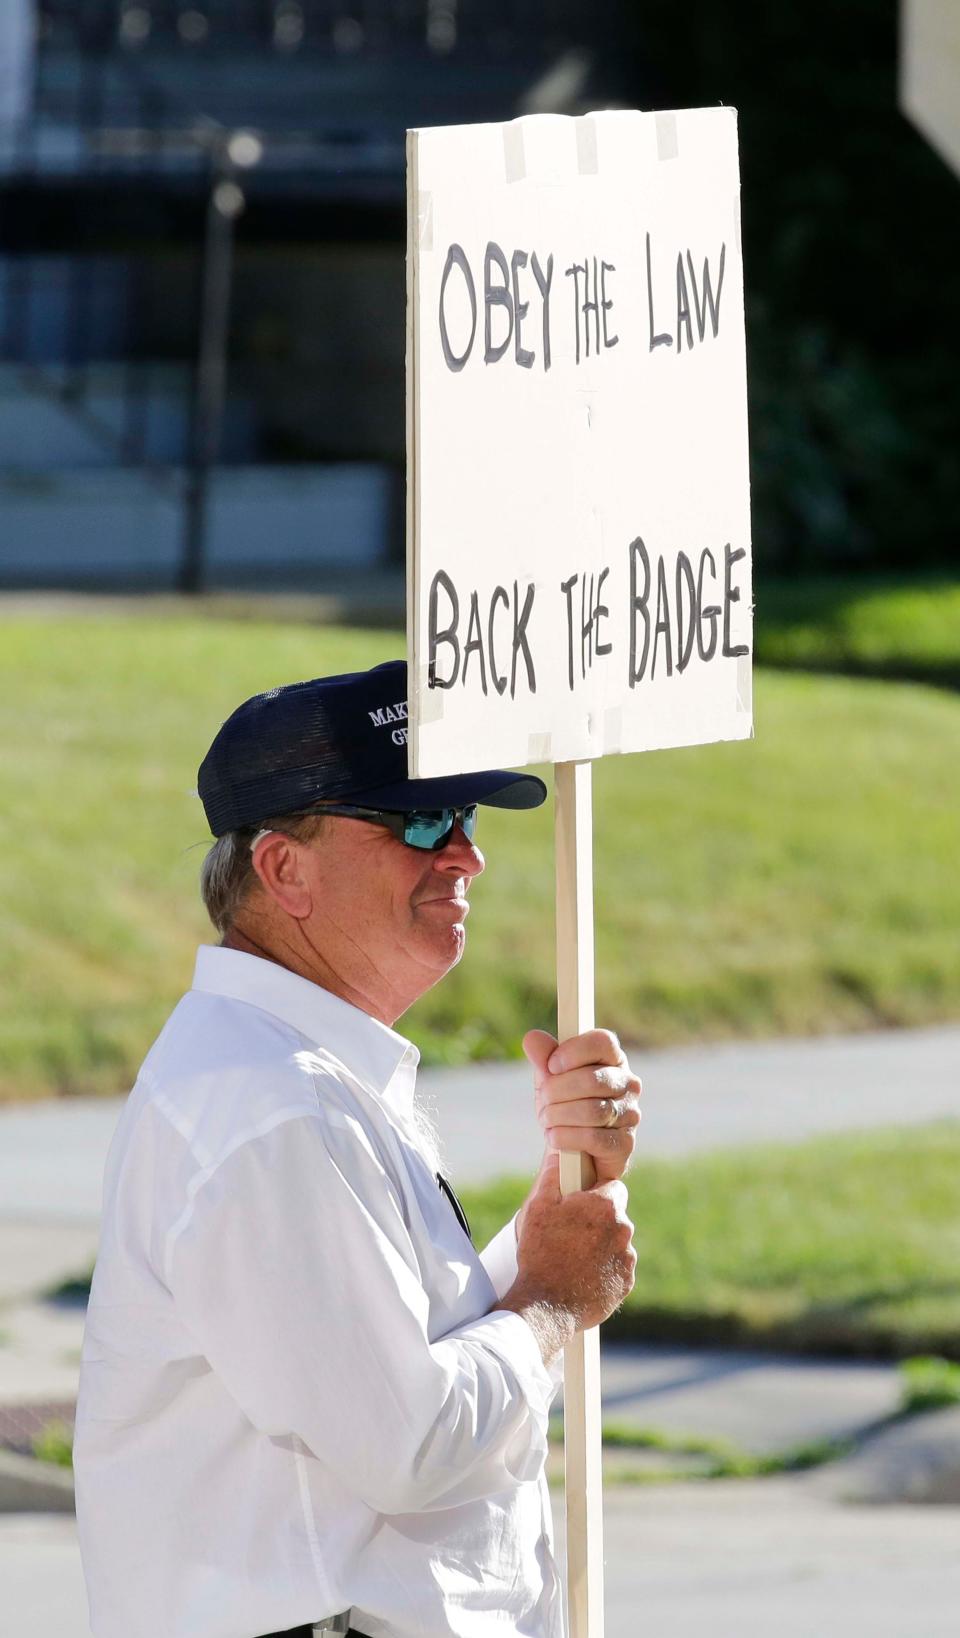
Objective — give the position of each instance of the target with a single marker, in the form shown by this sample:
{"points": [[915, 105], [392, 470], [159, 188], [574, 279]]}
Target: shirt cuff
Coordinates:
{"points": [[509, 1337], [499, 1258]]}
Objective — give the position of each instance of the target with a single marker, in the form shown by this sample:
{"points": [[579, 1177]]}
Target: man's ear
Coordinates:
{"points": [[278, 862]]}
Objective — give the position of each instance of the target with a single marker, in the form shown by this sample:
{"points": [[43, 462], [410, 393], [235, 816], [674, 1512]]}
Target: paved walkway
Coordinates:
{"points": [[695, 1099], [762, 1402], [719, 1097], [684, 1561], [749, 1560]]}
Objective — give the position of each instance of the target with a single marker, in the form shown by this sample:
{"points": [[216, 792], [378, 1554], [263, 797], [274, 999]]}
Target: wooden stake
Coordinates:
{"points": [[581, 1365]]}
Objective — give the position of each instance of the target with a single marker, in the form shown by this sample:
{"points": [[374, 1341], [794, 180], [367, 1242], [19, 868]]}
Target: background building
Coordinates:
{"points": [[201, 270], [222, 181]]}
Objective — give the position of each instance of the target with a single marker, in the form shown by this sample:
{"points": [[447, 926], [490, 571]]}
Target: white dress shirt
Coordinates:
{"points": [[294, 1397]]}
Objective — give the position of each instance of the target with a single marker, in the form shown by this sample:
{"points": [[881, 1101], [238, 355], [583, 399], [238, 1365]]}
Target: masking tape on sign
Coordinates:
{"points": [[587, 161], [612, 730], [514, 157], [668, 142], [539, 748], [744, 683], [430, 699]]}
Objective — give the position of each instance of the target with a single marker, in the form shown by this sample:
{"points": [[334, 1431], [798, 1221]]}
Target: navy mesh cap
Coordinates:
{"points": [[336, 739]]}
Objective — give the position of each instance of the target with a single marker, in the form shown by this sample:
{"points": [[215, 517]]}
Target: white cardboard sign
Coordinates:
{"points": [[930, 73], [579, 571]]}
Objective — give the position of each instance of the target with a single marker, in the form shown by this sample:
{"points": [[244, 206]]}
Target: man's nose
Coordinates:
{"points": [[460, 857]]}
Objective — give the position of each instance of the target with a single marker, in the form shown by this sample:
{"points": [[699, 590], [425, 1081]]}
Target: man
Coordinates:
{"points": [[305, 1400]]}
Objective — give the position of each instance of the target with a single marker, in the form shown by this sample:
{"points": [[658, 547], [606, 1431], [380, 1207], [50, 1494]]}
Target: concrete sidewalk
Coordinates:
{"points": [[695, 1099], [716, 1560], [750, 1560], [718, 1097], [764, 1403]]}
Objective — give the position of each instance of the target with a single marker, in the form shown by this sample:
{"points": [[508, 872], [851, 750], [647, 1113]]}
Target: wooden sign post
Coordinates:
{"points": [[583, 1473], [578, 529]]}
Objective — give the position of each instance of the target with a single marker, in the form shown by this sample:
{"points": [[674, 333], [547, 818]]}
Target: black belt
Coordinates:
{"points": [[305, 1632]]}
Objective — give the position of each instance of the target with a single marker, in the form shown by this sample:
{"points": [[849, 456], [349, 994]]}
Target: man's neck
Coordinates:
{"points": [[309, 963]]}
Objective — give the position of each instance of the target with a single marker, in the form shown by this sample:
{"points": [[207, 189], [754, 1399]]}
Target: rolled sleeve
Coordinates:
{"points": [[296, 1274], [511, 1339]]}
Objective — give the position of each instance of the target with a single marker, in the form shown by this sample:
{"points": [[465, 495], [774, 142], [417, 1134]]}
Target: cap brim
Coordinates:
{"points": [[494, 788]]}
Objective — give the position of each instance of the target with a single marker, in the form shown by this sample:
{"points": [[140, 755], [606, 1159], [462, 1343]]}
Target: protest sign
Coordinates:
{"points": [[930, 73], [579, 574], [578, 530]]}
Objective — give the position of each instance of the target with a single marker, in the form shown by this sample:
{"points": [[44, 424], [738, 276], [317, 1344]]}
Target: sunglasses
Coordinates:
{"points": [[430, 831]]}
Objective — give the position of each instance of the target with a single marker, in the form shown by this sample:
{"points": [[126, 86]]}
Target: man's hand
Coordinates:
{"points": [[587, 1097], [575, 1259]]}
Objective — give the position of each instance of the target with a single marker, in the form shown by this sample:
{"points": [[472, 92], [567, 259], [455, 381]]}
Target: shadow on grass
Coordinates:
{"points": [[876, 626], [840, 1330], [73, 1292], [843, 664]]}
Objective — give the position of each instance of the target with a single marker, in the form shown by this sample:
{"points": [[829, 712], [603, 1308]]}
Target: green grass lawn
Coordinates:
{"points": [[874, 625], [803, 882], [847, 1245]]}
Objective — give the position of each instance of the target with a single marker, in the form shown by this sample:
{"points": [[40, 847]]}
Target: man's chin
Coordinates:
{"points": [[441, 935], [457, 941], [446, 948]]}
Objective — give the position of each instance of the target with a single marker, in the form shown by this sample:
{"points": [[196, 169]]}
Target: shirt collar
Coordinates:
{"points": [[369, 1049]]}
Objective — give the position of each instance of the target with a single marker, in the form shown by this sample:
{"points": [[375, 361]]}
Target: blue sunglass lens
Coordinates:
{"points": [[427, 829]]}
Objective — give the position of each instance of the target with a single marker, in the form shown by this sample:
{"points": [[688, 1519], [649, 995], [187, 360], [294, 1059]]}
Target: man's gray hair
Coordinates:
{"points": [[227, 876]]}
